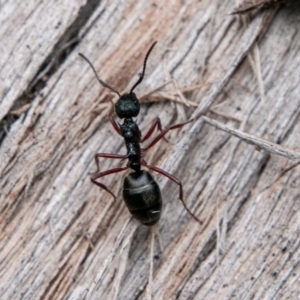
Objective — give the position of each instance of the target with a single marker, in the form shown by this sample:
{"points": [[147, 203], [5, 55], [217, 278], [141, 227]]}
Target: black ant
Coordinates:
{"points": [[141, 193]]}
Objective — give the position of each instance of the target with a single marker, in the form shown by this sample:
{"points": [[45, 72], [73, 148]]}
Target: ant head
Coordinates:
{"points": [[128, 105]]}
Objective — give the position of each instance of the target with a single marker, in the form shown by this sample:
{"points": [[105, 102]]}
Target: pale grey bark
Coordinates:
{"points": [[64, 238]]}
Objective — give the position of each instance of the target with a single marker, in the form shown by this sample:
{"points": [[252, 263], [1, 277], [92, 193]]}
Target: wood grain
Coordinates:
{"points": [[64, 238]]}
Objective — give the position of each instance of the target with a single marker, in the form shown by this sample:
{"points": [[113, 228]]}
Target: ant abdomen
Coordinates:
{"points": [[142, 196]]}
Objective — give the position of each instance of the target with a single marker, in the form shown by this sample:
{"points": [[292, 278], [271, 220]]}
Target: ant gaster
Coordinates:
{"points": [[141, 193]]}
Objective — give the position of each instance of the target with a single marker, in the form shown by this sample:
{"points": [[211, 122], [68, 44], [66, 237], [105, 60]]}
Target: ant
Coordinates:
{"points": [[141, 192]]}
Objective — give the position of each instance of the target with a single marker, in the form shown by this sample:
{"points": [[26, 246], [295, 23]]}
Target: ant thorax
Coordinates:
{"points": [[132, 136]]}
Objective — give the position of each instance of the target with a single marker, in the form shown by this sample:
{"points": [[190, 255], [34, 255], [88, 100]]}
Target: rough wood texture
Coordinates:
{"points": [[60, 235]]}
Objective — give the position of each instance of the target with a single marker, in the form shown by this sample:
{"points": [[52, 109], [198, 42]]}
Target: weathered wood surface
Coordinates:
{"points": [[57, 229]]}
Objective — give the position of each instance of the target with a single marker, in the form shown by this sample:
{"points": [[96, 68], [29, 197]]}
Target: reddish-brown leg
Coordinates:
{"points": [[164, 132], [105, 173], [177, 181], [156, 123], [115, 125], [105, 155]]}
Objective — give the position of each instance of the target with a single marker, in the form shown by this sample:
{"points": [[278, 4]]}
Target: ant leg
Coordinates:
{"points": [[115, 125], [105, 155], [156, 123], [164, 132], [177, 181], [105, 173]]}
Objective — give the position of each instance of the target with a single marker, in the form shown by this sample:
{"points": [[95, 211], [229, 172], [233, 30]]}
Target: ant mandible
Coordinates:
{"points": [[141, 192]]}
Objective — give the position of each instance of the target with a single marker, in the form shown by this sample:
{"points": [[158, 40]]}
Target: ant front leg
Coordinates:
{"points": [[105, 155], [177, 181], [105, 173], [115, 125], [163, 133], [156, 123]]}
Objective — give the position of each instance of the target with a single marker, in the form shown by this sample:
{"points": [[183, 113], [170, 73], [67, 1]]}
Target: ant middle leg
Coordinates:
{"points": [[164, 132], [156, 123], [104, 155], [177, 181]]}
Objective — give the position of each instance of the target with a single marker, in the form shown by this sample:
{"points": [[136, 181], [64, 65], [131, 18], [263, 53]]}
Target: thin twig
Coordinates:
{"points": [[254, 140], [147, 94]]}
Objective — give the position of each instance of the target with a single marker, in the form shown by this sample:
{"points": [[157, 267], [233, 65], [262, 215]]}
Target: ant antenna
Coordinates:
{"points": [[100, 81], [144, 68]]}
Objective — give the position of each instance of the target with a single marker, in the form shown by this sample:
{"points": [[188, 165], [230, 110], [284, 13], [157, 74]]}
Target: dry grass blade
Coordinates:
{"points": [[256, 141]]}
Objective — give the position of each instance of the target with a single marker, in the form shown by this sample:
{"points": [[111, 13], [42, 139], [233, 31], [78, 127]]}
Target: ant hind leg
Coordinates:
{"points": [[105, 173], [177, 181]]}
